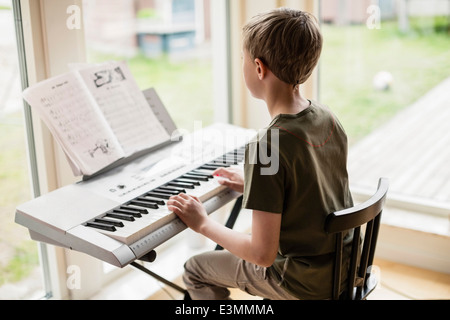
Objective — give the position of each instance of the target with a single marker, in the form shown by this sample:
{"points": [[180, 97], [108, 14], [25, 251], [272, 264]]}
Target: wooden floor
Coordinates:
{"points": [[412, 150], [398, 282]]}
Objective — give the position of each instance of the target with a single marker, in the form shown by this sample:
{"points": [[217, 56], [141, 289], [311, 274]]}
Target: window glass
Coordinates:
{"points": [[167, 45], [384, 72], [20, 273]]}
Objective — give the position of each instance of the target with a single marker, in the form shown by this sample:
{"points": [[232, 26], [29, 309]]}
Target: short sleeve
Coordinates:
{"points": [[264, 176]]}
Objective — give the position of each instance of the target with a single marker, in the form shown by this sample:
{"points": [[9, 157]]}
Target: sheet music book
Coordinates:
{"points": [[98, 115]]}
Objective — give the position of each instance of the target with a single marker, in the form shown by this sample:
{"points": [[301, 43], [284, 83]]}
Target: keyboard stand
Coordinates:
{"points": [[151, 256], [159, 278]]}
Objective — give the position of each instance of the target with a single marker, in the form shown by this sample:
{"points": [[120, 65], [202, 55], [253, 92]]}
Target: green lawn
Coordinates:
{"points": [[352, 56], [184, 86], [19, 253]]}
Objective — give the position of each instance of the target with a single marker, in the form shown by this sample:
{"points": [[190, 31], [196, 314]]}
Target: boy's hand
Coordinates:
{"points": [[189, 209], [231, 177]]}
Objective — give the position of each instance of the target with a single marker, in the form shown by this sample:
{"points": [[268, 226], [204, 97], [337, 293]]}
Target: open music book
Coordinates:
{"points": [[98, 115]]}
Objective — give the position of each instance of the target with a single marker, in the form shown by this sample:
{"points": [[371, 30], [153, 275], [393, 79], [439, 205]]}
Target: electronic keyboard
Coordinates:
{"points": [[121, 215]]}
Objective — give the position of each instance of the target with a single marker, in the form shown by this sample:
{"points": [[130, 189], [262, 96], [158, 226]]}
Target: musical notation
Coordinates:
{"points": [[85, 108]]}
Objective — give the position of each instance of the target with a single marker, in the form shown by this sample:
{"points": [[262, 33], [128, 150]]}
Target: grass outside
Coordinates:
{"points": [[18, 254], [184, 85], [352, 56]]}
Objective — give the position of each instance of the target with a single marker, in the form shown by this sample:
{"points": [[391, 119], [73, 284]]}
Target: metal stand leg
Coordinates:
{"points": [[157, 277], [151, 256]]}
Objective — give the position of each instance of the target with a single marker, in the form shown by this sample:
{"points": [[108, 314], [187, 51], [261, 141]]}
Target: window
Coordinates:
{"points": [[167, 45], [20, 271], [54, 38], [384, 71]]}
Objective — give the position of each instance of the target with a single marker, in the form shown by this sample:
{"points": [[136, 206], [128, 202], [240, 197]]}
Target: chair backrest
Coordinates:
{"points": [[360, 281]]}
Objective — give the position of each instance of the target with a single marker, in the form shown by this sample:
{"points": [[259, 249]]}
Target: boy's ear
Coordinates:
{"points": [[261, 68]]}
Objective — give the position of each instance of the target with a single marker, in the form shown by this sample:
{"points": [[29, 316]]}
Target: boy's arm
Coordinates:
{"points": [[260, 247]]}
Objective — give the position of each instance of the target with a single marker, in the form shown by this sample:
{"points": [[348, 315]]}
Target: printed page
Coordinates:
{"points": [[124, 106], [69, 113]]}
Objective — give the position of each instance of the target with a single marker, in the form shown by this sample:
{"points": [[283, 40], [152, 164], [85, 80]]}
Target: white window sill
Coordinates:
{"points": [[412, 213], [414, 232]]}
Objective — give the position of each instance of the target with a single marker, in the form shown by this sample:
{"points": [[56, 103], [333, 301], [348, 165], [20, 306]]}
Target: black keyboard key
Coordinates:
{"points": [[133, 213], [225, 163], [199, 174], [174, 189], [146, 198], [195, 183], [142, 211], [235, 156], [158, 195], [168, 192], [144, 204], [110, 222], [210, 167], [181, 185], [101, 226], [120, 216], [193, 177]]}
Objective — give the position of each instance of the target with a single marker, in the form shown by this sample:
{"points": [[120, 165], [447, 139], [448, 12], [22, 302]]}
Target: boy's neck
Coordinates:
{"points": [[286, 100]]}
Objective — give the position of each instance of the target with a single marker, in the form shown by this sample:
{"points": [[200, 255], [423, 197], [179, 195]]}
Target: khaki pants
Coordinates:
{"points": [[209, 275]]}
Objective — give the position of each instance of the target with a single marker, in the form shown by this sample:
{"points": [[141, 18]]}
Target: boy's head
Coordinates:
{"points": [[287, 41]]}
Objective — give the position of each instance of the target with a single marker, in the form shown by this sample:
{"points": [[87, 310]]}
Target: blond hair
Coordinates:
{"points": [[287, 41]]}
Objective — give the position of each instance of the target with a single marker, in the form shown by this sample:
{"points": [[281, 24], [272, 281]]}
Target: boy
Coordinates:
{"points": [[288, 255]]}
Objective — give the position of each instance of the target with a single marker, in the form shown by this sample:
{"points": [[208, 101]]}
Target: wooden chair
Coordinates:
{"points": [[360, 282]]}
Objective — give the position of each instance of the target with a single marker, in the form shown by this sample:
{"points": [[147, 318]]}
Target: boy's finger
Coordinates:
{"points": [[227, 183], [184, 196], [220, 171]]}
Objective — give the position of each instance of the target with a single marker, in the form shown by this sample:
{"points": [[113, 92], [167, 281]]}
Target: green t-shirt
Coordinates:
{"points": [[297, 167]]}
